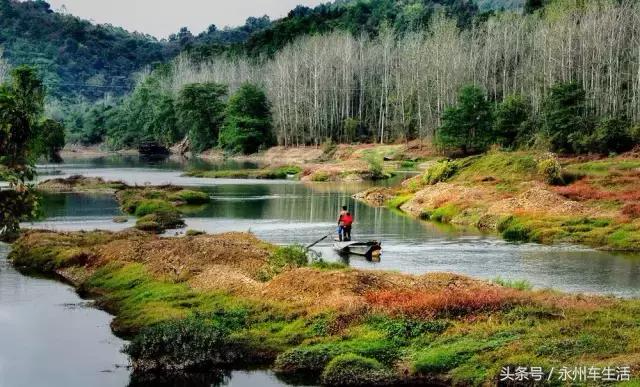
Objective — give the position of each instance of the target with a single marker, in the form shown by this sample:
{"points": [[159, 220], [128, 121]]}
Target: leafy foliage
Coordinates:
{"points": [[468, 125], [510, 120], [21, 106], [200, 111], [247, 124], [563, 113]]}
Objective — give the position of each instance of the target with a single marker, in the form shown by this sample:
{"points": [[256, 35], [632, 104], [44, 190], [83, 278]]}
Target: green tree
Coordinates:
{"points": [[467, 126], [200, 110], [611, 135], [21, 104], [247, 125], [564, 119], [51, 139], [510, 120]]}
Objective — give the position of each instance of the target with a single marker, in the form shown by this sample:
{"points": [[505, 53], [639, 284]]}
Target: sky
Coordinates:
{"points": [[161, 18]]}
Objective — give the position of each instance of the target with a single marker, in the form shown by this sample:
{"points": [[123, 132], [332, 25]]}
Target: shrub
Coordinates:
{"points": [[195, 342], [376, 165], [440, 171], [408, 164], [611, 135], [160, 221], [313, 358], [513, 230], [517, 232], [150, 206], [551, 170], [190, 197], [354, 370], [320, 176], [284, 258]]}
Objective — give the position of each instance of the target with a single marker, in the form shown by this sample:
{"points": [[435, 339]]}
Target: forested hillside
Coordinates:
{"points": [[73, 55], [566, 76], [78, 58]]}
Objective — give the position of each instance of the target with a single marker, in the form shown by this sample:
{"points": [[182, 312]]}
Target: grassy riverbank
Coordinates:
{"points": [[331, 162], [529, 197], [232, 300]]}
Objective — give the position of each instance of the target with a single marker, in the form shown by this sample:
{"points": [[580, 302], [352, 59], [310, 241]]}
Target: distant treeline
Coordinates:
{"points": [[399, 86]]}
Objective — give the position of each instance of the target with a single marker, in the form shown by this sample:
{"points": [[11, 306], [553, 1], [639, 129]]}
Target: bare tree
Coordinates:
{"points": [[397, 87], [4, 67]]}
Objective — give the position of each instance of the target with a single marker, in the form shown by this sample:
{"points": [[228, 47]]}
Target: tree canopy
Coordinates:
{"points": [[247, 123]]}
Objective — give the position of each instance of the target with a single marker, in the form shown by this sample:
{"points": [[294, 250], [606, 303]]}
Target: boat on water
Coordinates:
{"points": [[367, 249]]}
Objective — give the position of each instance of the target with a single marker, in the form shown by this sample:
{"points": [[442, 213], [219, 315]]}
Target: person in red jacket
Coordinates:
{"points": [[347, 222]]}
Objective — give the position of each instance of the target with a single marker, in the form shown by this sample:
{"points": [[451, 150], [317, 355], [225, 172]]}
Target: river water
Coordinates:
{"points": [[277, 211]]}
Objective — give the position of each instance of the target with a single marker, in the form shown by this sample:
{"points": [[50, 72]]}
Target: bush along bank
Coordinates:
{"points": [[529, 197], [158, 208], [231, 300]]}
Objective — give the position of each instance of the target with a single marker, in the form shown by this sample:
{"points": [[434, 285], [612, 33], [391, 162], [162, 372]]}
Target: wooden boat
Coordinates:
{"points": [[367, 249]]}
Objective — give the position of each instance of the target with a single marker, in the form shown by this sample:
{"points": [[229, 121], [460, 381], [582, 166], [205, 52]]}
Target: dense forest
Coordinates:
{"points": [[388, 85], [564, 76], [78, 58]]}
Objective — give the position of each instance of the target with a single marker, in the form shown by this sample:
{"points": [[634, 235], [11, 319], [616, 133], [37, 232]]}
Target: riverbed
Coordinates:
{"points": [[53, 335]]}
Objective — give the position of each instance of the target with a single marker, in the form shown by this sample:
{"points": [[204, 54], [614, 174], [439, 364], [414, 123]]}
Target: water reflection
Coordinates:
{"points": [[299, 213]]}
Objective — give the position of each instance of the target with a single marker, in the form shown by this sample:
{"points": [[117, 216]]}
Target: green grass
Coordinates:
{"points": [[503, 166], [150, 206], [398, 201], [603, 167], [514, 284], [190, 197], [273, 173], [445, 213]]}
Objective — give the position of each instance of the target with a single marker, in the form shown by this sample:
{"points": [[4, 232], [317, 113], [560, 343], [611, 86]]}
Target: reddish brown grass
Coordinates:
{"points": [[631, 210], [448, 302], [583, 190]]}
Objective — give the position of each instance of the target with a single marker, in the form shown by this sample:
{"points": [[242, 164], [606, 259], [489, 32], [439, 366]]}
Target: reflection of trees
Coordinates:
{"points": [[300, 203], [55, 205]]}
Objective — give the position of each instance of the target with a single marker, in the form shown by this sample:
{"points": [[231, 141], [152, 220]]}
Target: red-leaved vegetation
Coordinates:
{"points": [[447, 302], [631, 210], [583, 190]]}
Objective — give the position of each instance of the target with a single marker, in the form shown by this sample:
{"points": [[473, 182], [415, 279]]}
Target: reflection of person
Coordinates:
{"points": [[341, 215], [347, 221]]}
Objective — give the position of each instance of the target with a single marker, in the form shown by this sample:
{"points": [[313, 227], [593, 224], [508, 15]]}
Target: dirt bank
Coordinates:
{"points": [[208, 301]]}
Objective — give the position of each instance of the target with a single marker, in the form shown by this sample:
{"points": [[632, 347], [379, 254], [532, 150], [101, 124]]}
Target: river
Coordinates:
{"points": [[277, 211]]}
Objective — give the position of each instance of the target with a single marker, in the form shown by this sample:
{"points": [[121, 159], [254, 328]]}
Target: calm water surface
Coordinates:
{"points": [[48, 336]]}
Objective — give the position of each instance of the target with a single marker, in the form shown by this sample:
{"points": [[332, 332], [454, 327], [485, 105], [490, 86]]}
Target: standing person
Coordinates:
{"points": [[341, 215], [347, 221]]}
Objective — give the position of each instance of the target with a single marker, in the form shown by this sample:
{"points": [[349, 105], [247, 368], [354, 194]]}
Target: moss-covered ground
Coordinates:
{"points": [[229, 300]]}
